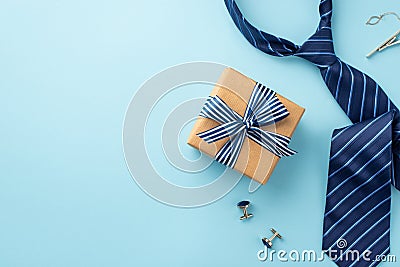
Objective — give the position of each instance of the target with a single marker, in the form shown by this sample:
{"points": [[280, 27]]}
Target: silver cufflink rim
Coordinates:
{"points": [[244, 205], [268, 241]]}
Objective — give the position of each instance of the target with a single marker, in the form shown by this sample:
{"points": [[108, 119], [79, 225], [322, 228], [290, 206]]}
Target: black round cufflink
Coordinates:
{"points": [[243, 205], [268, 241]]}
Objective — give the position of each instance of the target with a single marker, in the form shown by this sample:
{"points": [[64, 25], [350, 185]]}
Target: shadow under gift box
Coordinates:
{"points": [[254, 161]]}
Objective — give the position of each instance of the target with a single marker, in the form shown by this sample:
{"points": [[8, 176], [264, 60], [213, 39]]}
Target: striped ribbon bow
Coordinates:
{"points": [[264, 108]]}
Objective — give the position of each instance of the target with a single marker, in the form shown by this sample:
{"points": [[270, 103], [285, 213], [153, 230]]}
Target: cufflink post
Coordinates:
{"points": [[268, 241]]}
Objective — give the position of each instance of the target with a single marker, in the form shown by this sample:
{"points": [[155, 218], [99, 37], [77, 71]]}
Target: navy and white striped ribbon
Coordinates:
{"points": [[264, 108]]}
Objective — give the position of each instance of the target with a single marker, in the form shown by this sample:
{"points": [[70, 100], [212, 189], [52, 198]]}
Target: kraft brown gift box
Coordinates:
{"points": [[254, 161]]}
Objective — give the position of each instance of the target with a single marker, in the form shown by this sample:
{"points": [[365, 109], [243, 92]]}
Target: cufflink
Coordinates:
{"points": [[268, 241], [243, 205]]}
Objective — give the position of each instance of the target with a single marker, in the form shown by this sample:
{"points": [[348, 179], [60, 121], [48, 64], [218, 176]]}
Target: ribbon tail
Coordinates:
{"points": [[229, 153], [274, 142]]}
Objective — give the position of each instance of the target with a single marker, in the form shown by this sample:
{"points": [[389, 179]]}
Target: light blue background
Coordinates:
{"points": [[68, 70]]}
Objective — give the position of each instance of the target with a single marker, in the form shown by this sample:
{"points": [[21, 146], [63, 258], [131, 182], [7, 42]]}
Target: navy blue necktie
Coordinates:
{"points": [[364, 157]]}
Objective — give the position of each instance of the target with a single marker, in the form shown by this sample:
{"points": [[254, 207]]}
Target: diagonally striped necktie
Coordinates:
{"points": [[364, 157]]}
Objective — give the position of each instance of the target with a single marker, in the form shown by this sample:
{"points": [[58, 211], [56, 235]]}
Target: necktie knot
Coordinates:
{"points": [[319, 49]]}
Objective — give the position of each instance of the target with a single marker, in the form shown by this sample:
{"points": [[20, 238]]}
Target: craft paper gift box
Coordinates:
{"points": [[254, 161]]}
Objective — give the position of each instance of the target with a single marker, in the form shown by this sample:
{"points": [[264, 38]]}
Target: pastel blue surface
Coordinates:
{"points": [[68, 70]]}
